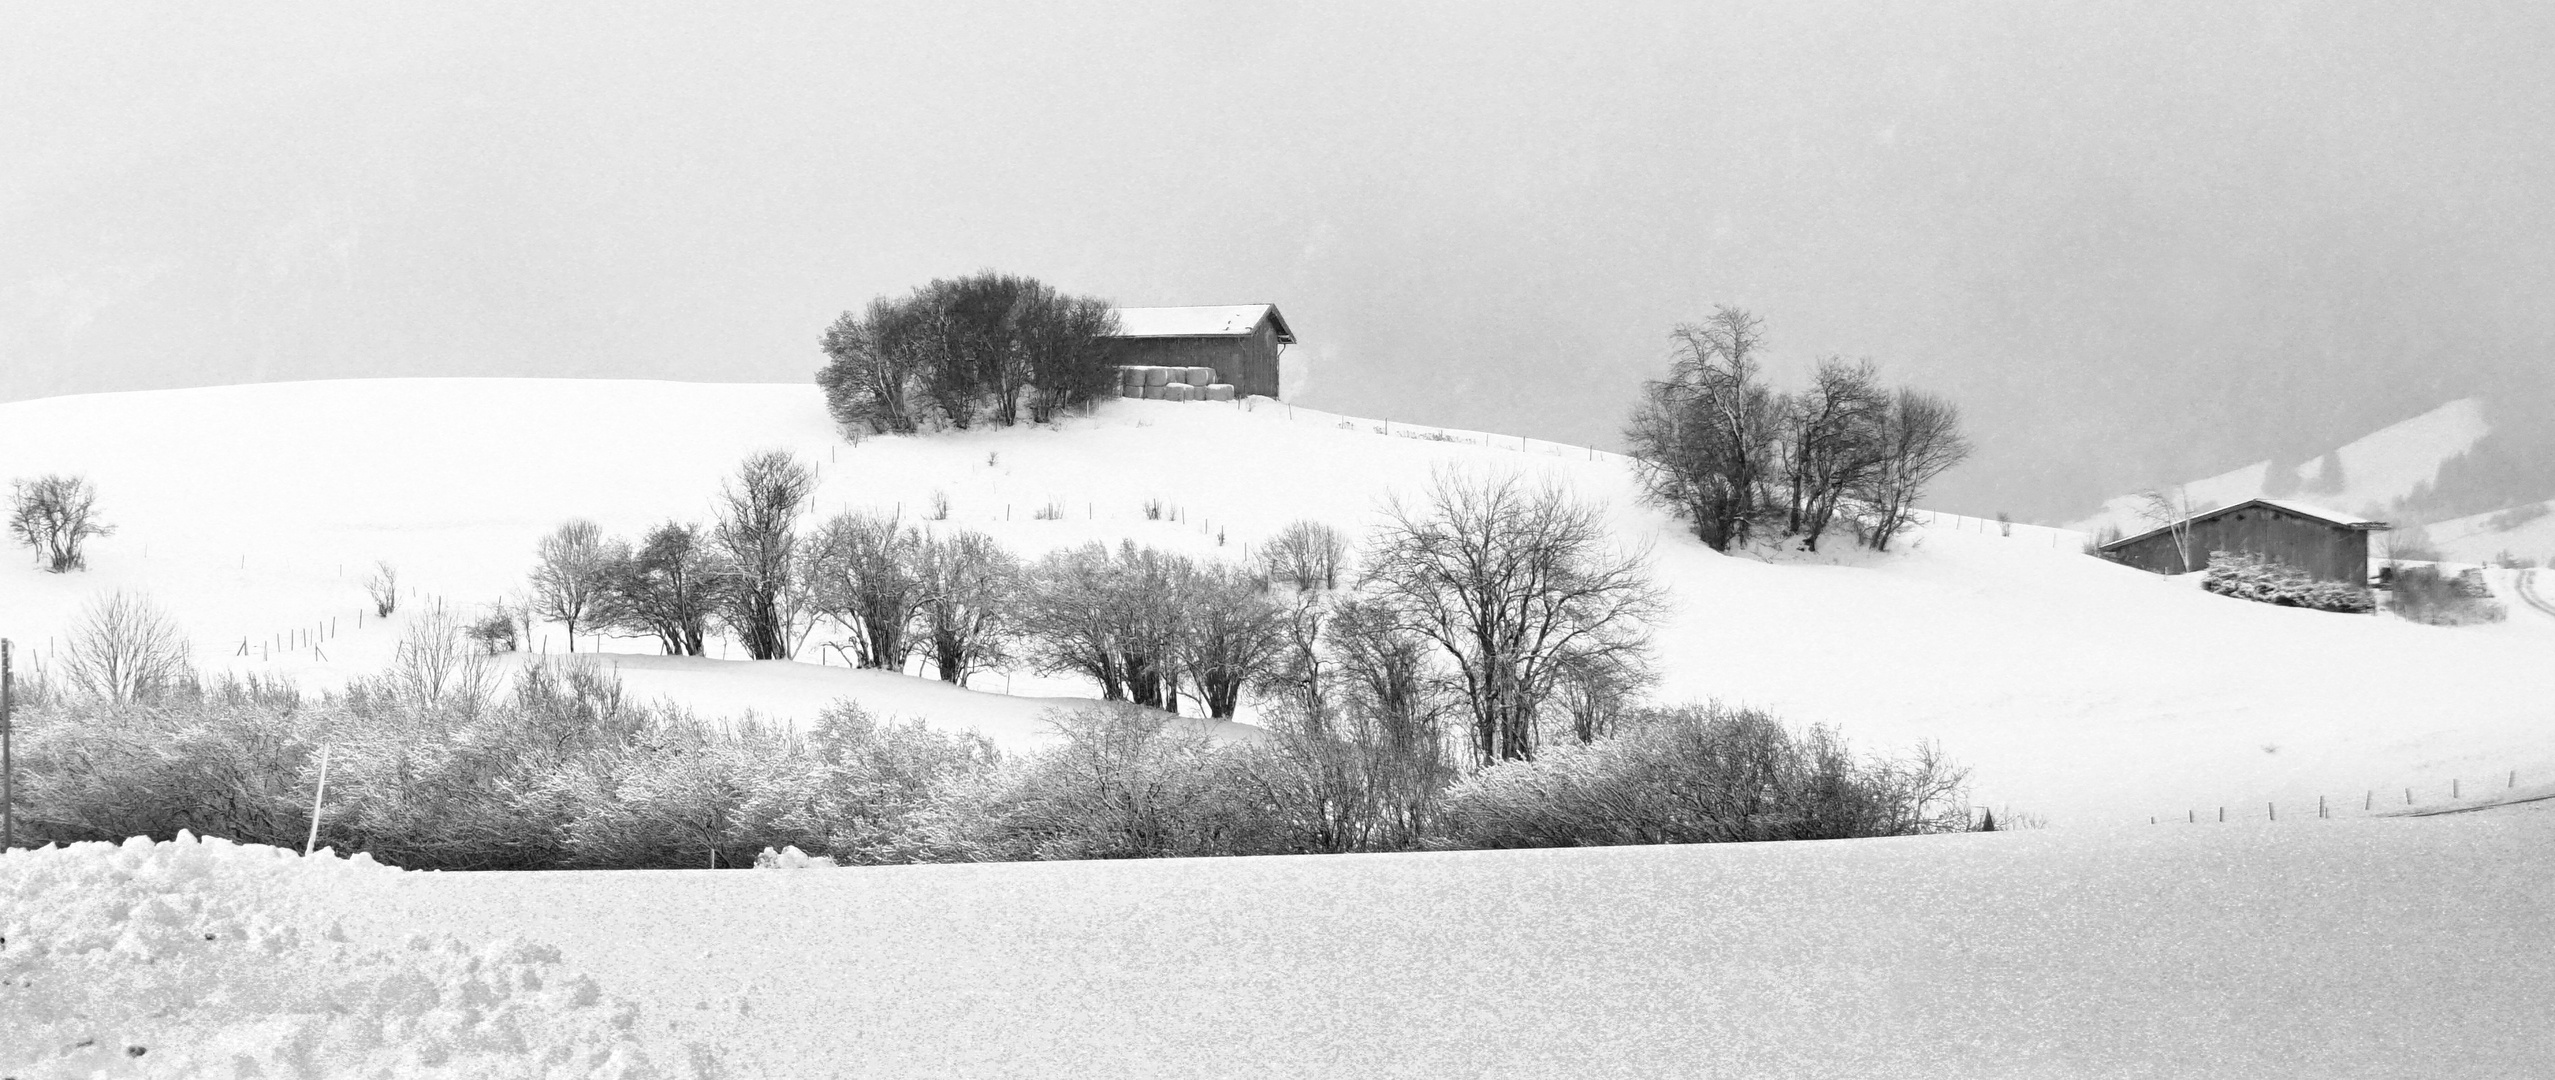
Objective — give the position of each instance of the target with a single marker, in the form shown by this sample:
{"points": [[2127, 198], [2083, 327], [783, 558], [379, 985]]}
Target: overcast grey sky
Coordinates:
{"points": [[2138, 242]]}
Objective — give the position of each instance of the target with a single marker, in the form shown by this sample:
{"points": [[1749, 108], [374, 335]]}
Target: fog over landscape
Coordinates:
{"points": [[2139, 245]]}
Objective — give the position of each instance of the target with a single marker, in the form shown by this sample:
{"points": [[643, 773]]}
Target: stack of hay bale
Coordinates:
{"points": [[1172, 383]]}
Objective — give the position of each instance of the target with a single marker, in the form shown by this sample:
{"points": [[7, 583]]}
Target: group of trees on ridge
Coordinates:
{"points": [[1742, 461], [988, 347]]}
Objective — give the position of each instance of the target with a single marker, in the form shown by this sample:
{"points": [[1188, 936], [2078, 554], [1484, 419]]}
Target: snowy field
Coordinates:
{"points": [[2367, 947], [2076, 689], [2102, 697]]}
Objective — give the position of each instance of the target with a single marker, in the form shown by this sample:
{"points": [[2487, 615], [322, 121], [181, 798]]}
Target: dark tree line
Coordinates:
{"points": [[986, 348], [1743, 461]]}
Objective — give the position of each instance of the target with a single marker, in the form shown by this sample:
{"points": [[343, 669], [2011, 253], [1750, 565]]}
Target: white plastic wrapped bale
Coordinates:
{"points": [[1179, 391], [1155, 393], [1130, 375], [1198, 376], [208, 958], [1219, 391], [1157, 376]]}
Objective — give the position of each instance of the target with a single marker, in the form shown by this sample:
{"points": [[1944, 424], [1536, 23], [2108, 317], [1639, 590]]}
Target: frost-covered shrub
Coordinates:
{"points": [[216, 764], [1699, 774], [2424, 595], [1128, 782], [2247, 576], [495, 631]]}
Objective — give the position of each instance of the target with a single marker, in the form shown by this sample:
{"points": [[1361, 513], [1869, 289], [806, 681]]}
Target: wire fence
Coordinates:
{"points": [[2462, 795]]}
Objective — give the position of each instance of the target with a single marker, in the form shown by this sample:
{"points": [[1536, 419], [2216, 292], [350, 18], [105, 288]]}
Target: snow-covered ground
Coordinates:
{"points": [[2076, 688], [2363, 945], [2526, 531], [2304, 947]]}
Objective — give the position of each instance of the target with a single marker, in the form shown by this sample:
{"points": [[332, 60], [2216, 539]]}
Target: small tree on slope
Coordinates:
{"points": [[1514, 585], [55, 515], [568, 582]]}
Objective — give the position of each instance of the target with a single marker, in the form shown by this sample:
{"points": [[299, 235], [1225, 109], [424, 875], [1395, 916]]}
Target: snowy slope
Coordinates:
{"points": [[2376, 469], [2526, 531], [2075, 687]]}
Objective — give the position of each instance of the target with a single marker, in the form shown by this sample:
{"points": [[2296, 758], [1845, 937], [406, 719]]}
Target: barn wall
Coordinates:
{"points": [[2328, 552], [1250, 362], [1258, 369]]}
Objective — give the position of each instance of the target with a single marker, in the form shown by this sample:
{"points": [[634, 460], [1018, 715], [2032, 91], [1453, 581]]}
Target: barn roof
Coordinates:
{"points": [[2334, 518], [1230, 321]]}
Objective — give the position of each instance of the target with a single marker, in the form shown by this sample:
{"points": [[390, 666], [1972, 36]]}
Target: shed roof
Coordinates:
{"points": [[1238, 320], [2334, 518]]}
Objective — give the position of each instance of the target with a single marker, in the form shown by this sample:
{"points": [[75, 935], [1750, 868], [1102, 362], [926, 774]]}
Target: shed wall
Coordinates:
{"points": [[2327, 552]]}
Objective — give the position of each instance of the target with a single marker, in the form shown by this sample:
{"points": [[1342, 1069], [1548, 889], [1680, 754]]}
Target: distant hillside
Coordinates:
{"points": [[2468, 468]]}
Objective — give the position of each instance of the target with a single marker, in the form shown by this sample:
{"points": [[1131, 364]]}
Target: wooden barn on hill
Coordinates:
{"points": [[2328, 545], [1242, 343]]}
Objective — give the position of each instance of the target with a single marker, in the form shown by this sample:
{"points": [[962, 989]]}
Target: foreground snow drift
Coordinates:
{"points": [[203, 958], [2362, 947]]}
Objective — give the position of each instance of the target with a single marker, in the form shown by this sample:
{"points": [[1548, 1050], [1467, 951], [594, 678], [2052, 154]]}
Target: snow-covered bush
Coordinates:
{"points": [[2247, 576], [383, 586], [495, 631], [221, 765], [1127, 783], [2424, 595], [1697, 774]]}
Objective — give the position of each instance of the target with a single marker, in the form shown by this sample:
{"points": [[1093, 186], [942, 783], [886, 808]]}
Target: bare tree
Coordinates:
{"points": [[1510, 583], [1118, 617], [1070, 617], [875, 365], [1921, 441], [1230, 635], [669, 588], [971, 587], [1703, 439], [2171, 509], [383, 587], [569, 582], [56, 515], [125, 649], [1832, 439], [863, 570], [757, 533], [436, 669], [1305, 555]]}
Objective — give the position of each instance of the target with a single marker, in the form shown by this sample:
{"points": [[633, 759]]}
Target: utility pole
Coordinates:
{"points": [[8, 766]]}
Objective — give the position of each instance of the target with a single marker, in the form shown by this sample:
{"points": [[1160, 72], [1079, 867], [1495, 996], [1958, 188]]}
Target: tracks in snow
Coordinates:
{"points": [[2527, 589]]}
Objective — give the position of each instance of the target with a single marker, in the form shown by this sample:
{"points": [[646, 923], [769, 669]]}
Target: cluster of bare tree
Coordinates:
{"points": [[1143, 623], [56, 515], [676, 581], [1741, 460], [984, 347]]}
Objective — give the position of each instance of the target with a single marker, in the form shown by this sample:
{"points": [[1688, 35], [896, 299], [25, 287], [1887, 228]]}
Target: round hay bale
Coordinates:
{"points": [[1157, 376], [1199, 376], [1219, 391], [1130, 375], [1179, 391], [1153, 393]]}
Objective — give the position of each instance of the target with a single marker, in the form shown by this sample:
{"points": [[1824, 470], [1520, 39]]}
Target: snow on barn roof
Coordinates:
{"points": [[2350, 520], [2330, 517], [1229, 321]]}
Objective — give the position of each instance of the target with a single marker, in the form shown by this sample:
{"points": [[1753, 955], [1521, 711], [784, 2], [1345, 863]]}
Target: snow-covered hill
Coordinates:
{"points": [[2364, 476], [2074, 687]]}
